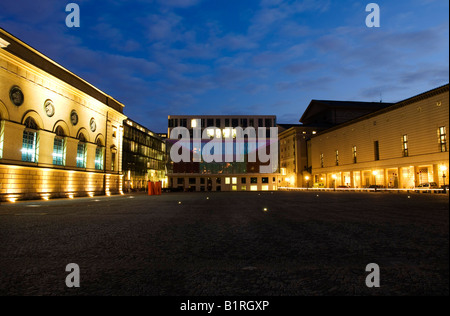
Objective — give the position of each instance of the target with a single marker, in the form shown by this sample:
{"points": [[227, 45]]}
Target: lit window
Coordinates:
{"points": [[405, 146], [234, 180], [58, 147], [227, 180], [210, 132], [194, 123], [265, 188], [322, 162], [81, 152], [29, 144], [355, 155], [254, 188], [443, 138], [244, 188], [234, 188], [337, 157], [99, 156]]}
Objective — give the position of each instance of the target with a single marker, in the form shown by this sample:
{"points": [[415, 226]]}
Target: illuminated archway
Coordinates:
{"points": [[36, 117]]}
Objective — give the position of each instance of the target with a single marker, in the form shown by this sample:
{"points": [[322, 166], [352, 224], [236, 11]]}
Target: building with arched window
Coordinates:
{"points": [[59, 135]]}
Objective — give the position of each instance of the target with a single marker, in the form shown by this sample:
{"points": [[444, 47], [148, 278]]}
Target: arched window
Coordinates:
{"points": [[99, 155], [59, 147], [29, 145], [81, 152]]}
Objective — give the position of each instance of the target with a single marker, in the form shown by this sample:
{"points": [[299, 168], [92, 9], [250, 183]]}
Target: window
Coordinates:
{"points": [[218, 123], [192, 181], [58, 147], [268, 122], [244, 180], [322, 162], [254, 180], [244, 122], [376, 146], [99, 158], [210, 123], [227, 180], [29, 144], [252, 122], [235, 122], [260, 123], [265, 180], [81, 152], [234, 180], [405, 146], [227, 123], [113, 161], [337, 157], [355, 155], [443, 138]]}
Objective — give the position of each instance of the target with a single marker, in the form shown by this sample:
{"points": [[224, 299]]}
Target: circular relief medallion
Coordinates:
{"points": [[49, 108], [74, 118], [93, 125], [16, 96]]}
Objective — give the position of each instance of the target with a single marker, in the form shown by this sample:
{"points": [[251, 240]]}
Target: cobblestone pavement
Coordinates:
{"points": [[226, 244]]}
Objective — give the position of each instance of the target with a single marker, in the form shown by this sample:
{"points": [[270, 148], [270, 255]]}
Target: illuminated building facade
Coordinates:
{"points": [[223, 176], [401, 146], [144, 157], [295, 145], [59, 135]]}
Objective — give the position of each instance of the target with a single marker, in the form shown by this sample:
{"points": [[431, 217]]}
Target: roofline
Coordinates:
{"points": [[395, 106], [337, 101], [221, 116], [35, 51]]}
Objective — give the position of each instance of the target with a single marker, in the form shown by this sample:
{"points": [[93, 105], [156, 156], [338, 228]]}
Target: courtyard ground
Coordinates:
{"points": [[227, 244]]}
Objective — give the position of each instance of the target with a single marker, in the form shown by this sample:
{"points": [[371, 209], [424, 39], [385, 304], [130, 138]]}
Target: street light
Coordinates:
{"points": [[307, 182]]}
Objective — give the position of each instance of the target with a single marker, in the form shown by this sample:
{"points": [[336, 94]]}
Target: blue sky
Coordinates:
{"points": [[230, 57]]}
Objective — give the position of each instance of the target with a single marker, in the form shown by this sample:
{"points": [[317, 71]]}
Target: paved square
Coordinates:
{"points": [[282, 243]]}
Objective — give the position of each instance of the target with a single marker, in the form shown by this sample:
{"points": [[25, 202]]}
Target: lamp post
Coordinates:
{"points": [[307, 182]]}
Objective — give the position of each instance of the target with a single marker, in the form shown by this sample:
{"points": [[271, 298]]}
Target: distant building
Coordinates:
{"points": [[400, 146], [221, 176], [295, 150], [144, 157], [59, 135]]}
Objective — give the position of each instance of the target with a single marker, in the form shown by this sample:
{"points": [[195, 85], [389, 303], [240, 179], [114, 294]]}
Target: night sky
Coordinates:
{"points": [[232, 57]]}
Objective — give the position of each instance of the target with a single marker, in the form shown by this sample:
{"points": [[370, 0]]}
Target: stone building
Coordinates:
{"points": [[59, 135]]}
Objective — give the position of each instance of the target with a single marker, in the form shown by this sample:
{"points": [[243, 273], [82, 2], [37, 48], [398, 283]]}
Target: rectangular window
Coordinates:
{"points": [[227, 180], [244, 188], [227, 123], [443, 139], [252, 122], [268, 122], [113, 161], [322, 161], [29, 146], [254, 180], [376, 146], [58, 151], [337, 157], [218, 125], [234, 180], [244, 122], [405, 146], [355, 155], [81, 155], [265, 180], [210, 123], [99, 158], [235, 122], [260, 123], [244, 180], [192, 181]]}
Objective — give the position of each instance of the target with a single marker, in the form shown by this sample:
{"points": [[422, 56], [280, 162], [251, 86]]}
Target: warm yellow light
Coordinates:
{"points": [[266, 209], [12, 198], [307, 178], [194, 123], [375, 173], [91, 194], [45, 197], [71, 196], [334, 176], [444, 168]]}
